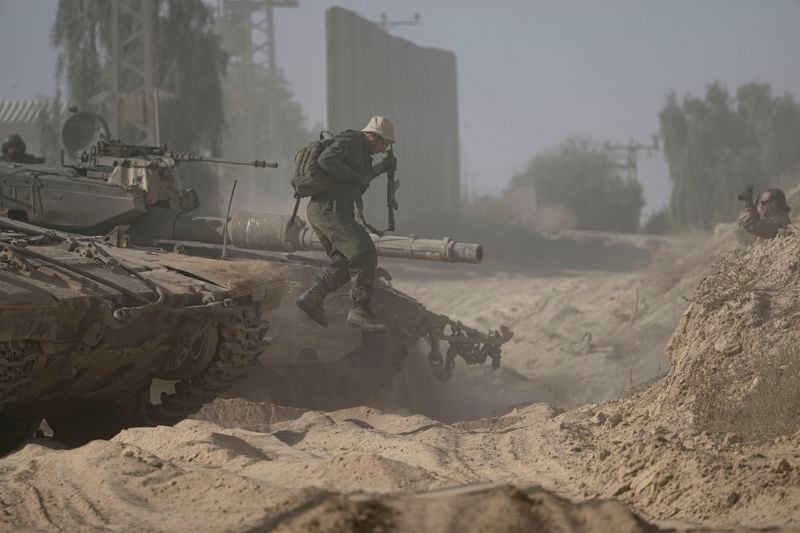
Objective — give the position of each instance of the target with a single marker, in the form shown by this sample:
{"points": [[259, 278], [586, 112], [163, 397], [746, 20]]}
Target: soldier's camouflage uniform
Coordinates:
{"points": [[332, 215], [762, 227]]}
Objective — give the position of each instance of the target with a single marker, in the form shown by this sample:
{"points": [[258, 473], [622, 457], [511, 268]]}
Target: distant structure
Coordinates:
{"points": [[627, 155], [134, 96], [371, 72], [248, 31]]}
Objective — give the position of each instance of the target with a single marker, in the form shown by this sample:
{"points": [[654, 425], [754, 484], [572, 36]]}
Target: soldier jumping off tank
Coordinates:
{"points": [[331, 213], [767, 217], [13, 151]]}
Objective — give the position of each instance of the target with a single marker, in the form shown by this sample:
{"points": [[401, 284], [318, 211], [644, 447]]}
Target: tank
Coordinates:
{"points": [[86, 327], [134, 197]]}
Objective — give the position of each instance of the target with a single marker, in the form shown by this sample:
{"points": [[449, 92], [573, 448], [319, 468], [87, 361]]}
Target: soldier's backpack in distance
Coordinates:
{"points": [[309, 179]]}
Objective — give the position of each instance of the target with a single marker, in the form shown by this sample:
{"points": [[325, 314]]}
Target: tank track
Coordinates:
{"points": [[17, 363], [241, 342]]}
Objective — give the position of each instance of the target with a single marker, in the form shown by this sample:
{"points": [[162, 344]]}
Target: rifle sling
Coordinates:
{"points": [[296, 207]]}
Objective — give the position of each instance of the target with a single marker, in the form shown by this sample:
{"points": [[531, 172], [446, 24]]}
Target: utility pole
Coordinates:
{"points": [[627, 155], [133, 105], [249, 31]]}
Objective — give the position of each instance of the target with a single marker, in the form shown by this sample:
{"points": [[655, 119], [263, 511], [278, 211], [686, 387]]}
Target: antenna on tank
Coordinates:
{"points": [[227, 219]]}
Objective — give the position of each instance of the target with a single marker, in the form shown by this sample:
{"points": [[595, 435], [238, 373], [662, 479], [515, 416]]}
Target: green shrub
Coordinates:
{"points": [[582, 177]]}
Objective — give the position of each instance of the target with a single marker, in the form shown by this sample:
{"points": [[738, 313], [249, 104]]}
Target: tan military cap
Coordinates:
{"points": [[382, 126]]}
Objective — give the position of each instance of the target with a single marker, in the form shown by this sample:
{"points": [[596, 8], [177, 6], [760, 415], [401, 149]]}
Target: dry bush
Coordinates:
{"points": [[729, 279], [770, 407]]}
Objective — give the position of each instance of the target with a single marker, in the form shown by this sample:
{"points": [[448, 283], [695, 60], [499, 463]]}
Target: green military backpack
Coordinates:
{"points": [[309, 179]]}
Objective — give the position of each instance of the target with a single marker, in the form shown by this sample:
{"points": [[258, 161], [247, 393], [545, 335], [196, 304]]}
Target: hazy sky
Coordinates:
{"points": [[530, 72]]}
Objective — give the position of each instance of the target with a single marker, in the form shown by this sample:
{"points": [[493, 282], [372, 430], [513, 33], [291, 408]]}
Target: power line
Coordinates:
{"points": [[387, 24]]}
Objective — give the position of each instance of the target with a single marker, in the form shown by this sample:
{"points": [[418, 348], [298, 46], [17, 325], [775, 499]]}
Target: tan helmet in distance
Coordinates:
{"points": [[382, 126]]}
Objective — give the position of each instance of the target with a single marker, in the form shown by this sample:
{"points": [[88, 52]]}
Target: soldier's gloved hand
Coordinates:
{"points": [[389, 162], [746, 195]]}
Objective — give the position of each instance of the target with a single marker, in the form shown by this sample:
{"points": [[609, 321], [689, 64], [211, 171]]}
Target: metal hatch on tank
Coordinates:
{"points": [[133, 194]]}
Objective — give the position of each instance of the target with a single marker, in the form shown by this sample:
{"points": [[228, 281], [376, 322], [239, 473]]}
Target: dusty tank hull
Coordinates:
{"points": [[327, 368], [85, 328]]}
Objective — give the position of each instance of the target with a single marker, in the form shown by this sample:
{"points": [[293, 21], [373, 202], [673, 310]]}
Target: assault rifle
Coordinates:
{"points": [[392, 185]]}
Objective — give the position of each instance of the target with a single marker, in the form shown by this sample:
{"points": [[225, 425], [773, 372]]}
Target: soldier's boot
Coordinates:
{"points": [[311, 302], [361, 316]]}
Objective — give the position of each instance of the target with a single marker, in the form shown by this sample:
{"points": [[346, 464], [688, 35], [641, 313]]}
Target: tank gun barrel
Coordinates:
{"points": [[272, 232], [267, 231]]}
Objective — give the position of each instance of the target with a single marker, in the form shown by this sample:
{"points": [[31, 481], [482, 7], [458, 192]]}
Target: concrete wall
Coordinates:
{"points": [[371, 72]]}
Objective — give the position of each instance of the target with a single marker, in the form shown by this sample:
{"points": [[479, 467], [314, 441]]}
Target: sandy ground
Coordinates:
{"points": [[579, 336], [198, 476], [472, 454]]}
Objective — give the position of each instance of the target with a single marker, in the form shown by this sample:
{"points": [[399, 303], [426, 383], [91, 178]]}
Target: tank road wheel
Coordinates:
{"points": [[99, 422], [13, 433], [17, 362], [197, 352], [241, 341]]}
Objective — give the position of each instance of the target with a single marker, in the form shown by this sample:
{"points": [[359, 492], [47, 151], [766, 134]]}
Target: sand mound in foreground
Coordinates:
{"points": [[471, 508], [739, 328], [715, 441], [352, 470]]}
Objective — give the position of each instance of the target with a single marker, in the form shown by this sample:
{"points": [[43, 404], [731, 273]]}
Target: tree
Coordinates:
{"points": [[189, 64], [581, 176], [716, 145], [80, 35]]}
